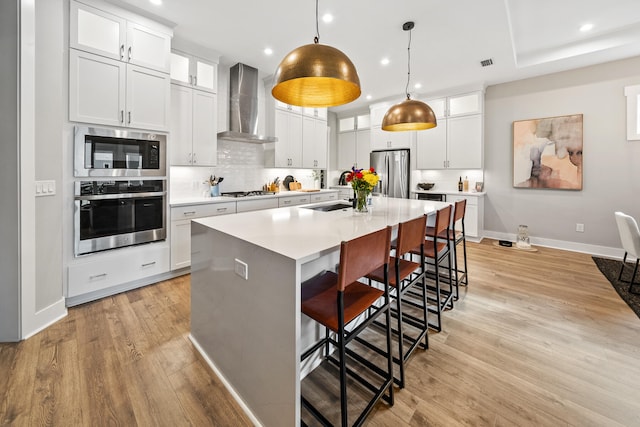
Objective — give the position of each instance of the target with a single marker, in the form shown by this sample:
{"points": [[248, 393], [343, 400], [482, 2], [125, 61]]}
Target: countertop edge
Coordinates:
{"points": [[186, 201]]}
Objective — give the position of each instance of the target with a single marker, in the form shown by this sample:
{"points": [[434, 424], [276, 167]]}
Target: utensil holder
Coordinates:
{"points": [[215, 191]]}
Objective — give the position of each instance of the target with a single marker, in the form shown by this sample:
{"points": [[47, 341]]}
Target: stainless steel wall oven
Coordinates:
{"points": [[113, 214], [120, 191]]}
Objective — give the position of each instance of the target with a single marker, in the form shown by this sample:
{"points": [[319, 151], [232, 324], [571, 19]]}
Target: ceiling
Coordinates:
{"points": [[523, 38]]}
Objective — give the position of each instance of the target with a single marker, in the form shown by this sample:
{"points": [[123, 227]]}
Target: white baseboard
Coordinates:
{"points": [[602, 251], [225, 382], [47, 317]]}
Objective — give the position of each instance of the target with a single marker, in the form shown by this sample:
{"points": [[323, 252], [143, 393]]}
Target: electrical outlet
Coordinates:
{"points": [[242, 269], [580, 228]]}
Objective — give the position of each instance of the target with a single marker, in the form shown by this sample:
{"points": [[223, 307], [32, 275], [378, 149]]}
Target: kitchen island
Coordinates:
{"points": [[247, 270]]}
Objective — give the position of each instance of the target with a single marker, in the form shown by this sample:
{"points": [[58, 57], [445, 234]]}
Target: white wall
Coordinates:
{"points": [[9, 145], [611, 163]]}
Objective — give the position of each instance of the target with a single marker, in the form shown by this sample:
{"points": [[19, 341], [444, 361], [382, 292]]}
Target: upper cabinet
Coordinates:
{"points": [[302, 136], [354, 141], [134, 40], [382, 139], [118, 68], [457, 141], [191, 71]]}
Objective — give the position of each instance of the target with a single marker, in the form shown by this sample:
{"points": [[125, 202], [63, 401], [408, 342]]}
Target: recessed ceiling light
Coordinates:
{"points": [[268, 51], [369, 96], [327, 17], [385, 61], [156, 2], [417, 85], [586, 27]]}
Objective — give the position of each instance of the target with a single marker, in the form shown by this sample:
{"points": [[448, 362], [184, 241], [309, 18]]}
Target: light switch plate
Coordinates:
{"points": [[45, 188]]}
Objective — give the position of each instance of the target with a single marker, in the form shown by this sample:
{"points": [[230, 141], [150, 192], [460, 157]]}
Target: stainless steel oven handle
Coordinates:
{"points": [[121, 196]]}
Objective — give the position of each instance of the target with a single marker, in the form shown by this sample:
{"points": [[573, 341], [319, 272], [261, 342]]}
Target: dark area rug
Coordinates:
{"points": [[611, 268]]}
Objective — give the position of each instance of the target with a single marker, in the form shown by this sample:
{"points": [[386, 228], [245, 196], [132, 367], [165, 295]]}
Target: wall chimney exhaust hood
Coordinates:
{"points": [[243, 106]]}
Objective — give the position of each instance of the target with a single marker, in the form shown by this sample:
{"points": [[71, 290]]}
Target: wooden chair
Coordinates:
{"points": [[336, 301], [630, 237], [405, 275]]}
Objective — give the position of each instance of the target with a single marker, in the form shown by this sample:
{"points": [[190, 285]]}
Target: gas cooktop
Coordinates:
{"points": [[247, 193]]}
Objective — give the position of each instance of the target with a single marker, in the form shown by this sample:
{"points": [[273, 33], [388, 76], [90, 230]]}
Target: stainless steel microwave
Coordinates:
{"points": [[105, 153]]}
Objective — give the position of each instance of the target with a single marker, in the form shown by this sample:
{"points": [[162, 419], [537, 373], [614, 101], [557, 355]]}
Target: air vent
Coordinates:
{"points": [[486, 62]]}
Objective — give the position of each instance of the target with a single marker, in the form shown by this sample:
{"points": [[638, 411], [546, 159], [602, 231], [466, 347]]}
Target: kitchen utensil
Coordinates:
{"points": [[287, 181]]}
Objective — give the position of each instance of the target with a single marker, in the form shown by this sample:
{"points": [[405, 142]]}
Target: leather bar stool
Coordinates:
{"points": [[436, 250], [455, 237], [336, 301], [404, 276]]}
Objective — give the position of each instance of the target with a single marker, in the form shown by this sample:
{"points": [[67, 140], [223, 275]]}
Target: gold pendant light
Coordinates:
{"points": [[409, 114], [316, 75]]}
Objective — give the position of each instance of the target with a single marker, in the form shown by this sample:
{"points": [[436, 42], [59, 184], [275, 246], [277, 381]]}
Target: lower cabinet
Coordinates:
{"points": [[473, 219], [118, 267], [181, 228], [293, 200], [256, 204], [323, 197]]}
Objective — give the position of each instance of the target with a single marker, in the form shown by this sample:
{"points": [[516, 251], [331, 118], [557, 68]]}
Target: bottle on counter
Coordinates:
{"points": [[460, 184], [465, 184]]}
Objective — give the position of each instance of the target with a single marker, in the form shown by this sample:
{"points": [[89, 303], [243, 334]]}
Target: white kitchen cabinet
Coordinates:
{"points": [[323, 196], [181, 228], [118, 34], [384, 140], [110, 92], [298, 199], [117, 268], [354, 149], [457, 141], [193, 127], [192, 71], [287, 151], [474, 215], [256, 204], [319, 113], [314, 143]]}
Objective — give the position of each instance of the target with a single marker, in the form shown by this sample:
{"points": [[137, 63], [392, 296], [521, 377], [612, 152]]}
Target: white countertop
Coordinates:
{"points": [[453, 192], [301, 234], [185, 201]]}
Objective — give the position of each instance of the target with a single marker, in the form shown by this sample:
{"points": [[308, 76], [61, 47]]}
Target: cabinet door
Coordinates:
{"points": [[148, 95], [379, 140], [282, 133], [314, 143], [464, 149], [322, 140], [431, 147], [96, 89], [180, 244], [95, 31], [363, 148], [384, 140], [346, 150], [180, 69], [206, 75], [205, 118], [461, 105], [295, 139], [148, 48], [181, 137]]}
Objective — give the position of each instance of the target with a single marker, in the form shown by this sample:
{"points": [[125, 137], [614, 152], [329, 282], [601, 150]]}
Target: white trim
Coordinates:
{"points": [[226, 383], [597, 250], [633, 118], [47, 317]]}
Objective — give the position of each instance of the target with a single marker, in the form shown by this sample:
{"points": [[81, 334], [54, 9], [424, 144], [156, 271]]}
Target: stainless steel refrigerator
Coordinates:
{"points": [[393, 168]]}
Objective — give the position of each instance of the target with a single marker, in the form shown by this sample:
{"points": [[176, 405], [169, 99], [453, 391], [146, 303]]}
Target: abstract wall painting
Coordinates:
{"points": [[547, 153]]}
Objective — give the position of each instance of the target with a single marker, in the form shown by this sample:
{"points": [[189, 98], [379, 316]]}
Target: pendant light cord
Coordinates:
{"points": [[406, 89], [316, 39]]}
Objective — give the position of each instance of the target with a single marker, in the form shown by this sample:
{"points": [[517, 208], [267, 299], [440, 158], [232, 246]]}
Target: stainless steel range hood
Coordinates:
{"points": [[243, 106]]}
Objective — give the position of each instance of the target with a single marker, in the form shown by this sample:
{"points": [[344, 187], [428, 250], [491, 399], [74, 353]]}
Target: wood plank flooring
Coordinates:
{"points": [[537, 339]]}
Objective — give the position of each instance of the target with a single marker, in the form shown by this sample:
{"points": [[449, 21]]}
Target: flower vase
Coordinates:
{"points": [[361, 201]]}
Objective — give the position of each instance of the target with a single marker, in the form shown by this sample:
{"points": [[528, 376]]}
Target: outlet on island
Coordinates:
{"points": [[242, 269]]}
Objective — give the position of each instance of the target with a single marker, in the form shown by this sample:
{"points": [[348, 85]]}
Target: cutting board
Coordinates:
{"points": [[309, 190]]}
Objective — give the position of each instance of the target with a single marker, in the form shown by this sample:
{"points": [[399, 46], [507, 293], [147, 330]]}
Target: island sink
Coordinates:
{"points": [[329, 208]]}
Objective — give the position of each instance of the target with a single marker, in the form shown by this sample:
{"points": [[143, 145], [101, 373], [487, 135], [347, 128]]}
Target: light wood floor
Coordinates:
{"points": [[537, 339]]}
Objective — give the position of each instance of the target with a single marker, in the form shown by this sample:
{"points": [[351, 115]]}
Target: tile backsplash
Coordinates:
{"points": [[242, 166]]}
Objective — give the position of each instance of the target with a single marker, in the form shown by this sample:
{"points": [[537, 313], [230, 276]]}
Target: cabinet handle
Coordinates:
{"points": [[287, 202], [194, 159], [221, 209], [195, 80], [121, 51], [129, 53], [148, 264], [95, 276], [129, 118], [121, 116], [190, 213], [190, 80]]}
